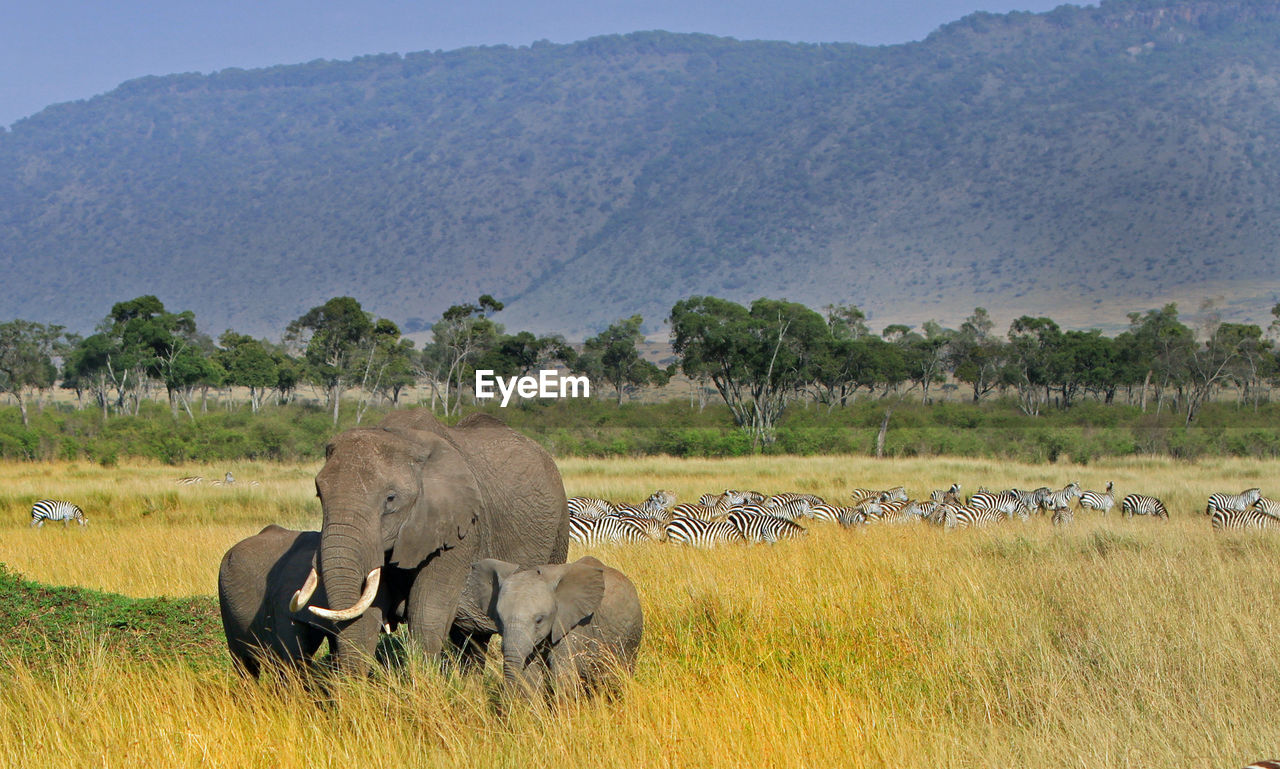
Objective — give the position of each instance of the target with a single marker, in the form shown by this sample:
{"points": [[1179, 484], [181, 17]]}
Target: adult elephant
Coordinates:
{"points": [[409, 505]]}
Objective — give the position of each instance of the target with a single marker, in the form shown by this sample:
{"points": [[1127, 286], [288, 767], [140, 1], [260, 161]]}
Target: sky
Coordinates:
{"points": [[55, 51]]}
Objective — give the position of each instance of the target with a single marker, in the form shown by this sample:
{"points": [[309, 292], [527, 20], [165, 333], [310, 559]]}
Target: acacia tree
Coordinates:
{"points": [[463, 333], [248, 364], [755, 358], [1032, 342], [26, 359], [334, 338], [612, 356], [976, 356]]}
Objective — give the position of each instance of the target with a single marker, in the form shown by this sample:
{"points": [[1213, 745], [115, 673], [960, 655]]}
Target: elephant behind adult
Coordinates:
{"points": [[409, 505], [256, 579]]}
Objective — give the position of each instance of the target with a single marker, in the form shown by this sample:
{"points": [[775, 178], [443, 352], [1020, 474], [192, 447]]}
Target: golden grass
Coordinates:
{"points": [[1112, 643]]}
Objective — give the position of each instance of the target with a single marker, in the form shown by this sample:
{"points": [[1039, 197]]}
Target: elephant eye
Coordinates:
{"points": [[541, 618]]}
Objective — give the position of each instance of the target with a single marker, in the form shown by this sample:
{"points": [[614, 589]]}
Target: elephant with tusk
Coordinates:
{"points": [[409, 505]]}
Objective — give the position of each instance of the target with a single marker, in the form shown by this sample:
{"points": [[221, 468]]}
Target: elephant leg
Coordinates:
{"points": [[434, 598]]}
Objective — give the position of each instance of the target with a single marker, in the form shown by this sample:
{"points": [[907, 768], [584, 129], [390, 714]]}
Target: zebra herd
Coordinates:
{"points": [[1246, 510], [750, 516]]}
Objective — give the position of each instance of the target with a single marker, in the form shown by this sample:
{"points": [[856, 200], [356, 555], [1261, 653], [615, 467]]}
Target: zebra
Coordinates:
{"points": [[613, 528], [1242, 501], [1006, 502], [1264, 765], [1062, 498], [698, 533], [1034, 501], [897, 493], [55, 510], [790, 511], [190, 480], [227, 480], [943, 495], [731, 498], [1102, 501], [691, 510], [788, 497], [1268, 506], [762, 527], [660, 501], [846, 516], [963, 516], [1143, 504], [590, 507], [1252, 518], [1062, 516], [898, 511]]}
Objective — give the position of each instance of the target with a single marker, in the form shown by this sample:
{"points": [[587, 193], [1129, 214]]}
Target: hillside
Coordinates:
{"points": [[1080, 164]]}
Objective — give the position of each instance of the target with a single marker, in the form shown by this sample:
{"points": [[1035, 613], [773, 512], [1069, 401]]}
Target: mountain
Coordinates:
{"points": [[1079, 164]]}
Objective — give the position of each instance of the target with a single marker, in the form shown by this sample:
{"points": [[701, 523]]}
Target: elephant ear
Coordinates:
{"points": [[578, 592], [448, 504], [485, 581]]}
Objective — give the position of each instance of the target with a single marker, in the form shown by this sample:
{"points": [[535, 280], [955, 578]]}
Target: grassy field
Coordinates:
{"points": [[1113, 643]]}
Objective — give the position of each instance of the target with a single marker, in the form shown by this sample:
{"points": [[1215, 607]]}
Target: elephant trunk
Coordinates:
{"points": [[520, 671], [360, 606], [350, 564]]}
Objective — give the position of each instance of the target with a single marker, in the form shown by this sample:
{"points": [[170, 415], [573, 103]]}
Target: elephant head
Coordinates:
{"points": [[393, 496], [534, 608]]}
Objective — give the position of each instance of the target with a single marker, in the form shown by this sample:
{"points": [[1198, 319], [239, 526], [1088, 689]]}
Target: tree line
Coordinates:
{"points": [[758, 359]]}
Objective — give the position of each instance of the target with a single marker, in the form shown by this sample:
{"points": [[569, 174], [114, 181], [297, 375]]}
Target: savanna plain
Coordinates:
{"points": [[1110, 643]]}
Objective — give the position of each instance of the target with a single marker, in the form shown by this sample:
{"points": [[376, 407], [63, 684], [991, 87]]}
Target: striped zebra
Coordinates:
{"points": [[799, 508], [1242, 501], [1269, 764], [1033, 501], [1061, 498], [788, 497], [190, 480], [845, 516], [1228, 520], [1006, 502], [963, 516], [1063, 516], [698, 533], [692, 510], [762, 527], [1268, 506], [614, 528], [899, 511], [1102, 501], [731, 498], [1143, 504], [897, 493], [590, 507], [55, 510], [943, 495]]}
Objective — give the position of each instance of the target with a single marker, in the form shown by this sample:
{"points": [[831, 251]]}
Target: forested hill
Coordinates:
{"points": [[1076, 164]]}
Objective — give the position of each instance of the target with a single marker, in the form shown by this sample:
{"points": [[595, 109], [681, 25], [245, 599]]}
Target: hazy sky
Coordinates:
{"points": [[61, 50]]}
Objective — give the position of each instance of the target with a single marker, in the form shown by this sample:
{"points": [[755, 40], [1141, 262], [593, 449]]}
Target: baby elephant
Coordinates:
{"points": [[564, 627]]}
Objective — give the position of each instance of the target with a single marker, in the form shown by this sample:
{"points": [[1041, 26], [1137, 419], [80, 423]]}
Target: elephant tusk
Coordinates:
{"points": [[362, 605], [300, 597]]}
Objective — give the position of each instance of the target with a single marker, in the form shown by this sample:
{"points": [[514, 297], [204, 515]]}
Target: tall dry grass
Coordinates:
{"points": [[1112, 643]]}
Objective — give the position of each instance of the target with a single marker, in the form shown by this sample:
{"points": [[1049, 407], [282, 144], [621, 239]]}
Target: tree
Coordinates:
{"points": [[463, 334], [248, 364], [1032, 343], [26, 359], [612, 356], [1165, 344], [755, 358], [976, 356], [334, 338]]}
